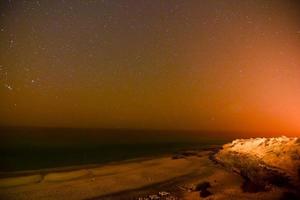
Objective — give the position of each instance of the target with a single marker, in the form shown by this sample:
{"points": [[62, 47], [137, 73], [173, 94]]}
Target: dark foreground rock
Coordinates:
{"points": [[203, 189]]}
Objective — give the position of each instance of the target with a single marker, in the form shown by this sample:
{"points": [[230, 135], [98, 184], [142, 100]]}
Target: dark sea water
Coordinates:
{"points": [[39, 148]]}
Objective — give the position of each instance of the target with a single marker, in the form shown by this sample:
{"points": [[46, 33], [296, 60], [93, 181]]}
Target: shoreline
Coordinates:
{"points": [[176, 175], [12, 174], [135, 173]]}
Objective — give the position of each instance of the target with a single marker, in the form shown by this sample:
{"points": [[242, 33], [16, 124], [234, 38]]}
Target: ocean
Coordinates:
{"points": [[23, 148]]}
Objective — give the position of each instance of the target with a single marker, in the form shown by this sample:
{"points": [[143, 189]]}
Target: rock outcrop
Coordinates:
{"points": [[264, 161]]}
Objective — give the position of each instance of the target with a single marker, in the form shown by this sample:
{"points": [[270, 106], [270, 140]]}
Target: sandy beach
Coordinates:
{"points": [[136, 179]]}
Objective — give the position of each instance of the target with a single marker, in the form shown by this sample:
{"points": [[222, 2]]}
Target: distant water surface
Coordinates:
{"points": [[39, 148]]}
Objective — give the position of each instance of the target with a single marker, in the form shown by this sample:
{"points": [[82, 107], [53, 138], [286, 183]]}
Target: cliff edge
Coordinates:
{"points": [[264, 161]]}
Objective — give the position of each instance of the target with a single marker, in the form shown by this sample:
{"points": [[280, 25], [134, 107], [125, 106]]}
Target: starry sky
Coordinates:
{"points": [[148, 64]]}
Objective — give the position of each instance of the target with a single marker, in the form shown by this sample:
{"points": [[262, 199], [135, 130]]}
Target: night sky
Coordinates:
{"points": [[149, 64]]}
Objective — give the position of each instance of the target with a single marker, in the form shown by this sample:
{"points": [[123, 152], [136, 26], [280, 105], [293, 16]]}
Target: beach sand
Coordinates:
{"points": [[131, 180]]}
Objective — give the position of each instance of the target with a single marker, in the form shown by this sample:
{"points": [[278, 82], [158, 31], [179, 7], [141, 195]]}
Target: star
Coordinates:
{"points": [[8, 86], [11, 43]]}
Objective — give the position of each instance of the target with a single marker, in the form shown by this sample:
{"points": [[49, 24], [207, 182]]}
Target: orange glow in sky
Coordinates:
{"points": [[204, 65]]}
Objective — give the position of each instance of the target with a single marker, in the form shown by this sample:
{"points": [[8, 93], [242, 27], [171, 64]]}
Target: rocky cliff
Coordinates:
{"points": [[264, 161]]}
